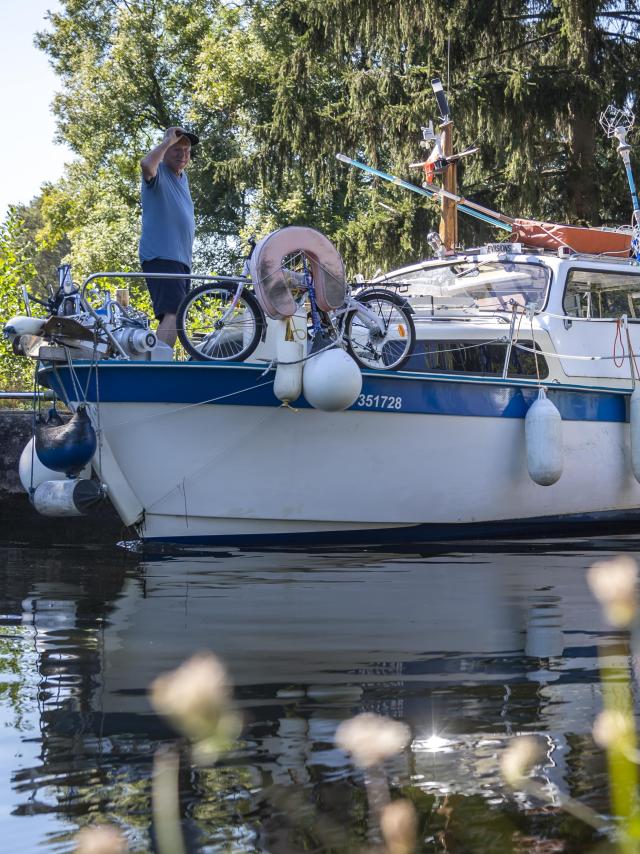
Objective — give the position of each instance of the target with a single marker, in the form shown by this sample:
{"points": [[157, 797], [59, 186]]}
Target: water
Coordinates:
{"points": [[469, 647]]}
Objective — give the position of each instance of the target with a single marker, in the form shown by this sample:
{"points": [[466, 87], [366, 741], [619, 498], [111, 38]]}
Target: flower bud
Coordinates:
{"points": [[196, 698], [100, 839], [520, 757], [613, 728], [371, 739], [613, 583]]}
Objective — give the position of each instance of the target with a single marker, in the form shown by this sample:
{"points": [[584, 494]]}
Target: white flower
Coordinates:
{"points": [[613, 728], [100, 839], [523, 754], [613, 583], [197, 700], [371, 739], [399, 827]]}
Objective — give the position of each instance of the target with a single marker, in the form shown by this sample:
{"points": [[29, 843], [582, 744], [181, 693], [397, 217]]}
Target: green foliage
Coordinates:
{"points": [[276, 87], [16, 269]]}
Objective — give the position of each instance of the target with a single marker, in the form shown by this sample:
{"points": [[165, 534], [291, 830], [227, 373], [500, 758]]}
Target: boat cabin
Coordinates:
{"points": [[511, 311]]}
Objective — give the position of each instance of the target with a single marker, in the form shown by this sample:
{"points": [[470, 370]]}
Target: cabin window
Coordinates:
{"points": [[602, 294], [468, 357], [473, 286]]}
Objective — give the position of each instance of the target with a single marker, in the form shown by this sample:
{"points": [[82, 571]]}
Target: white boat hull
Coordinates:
{"points": [[209, 471]]}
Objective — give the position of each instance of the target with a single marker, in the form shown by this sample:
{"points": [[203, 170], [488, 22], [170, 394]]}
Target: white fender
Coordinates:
{"points": [[331, 380], [273, 284], [634, 431], [28, 457], [68, 497], [287, 385], [543, 437], [22, 324]]}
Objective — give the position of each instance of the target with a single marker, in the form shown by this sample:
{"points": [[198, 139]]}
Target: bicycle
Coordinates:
{"points": [[225, 322]]}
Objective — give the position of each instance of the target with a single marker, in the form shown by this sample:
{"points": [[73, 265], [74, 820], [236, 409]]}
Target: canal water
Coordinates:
{"points": [[470, 645]]}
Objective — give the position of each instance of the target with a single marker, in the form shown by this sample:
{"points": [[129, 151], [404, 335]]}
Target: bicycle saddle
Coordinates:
{"points": [[273, 282]]}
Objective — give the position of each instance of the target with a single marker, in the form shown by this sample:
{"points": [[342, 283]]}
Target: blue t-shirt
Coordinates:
{"points": [[168, 225]]}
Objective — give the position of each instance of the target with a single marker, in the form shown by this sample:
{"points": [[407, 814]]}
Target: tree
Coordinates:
{"points": [[127, 72], [46, 254], [16, 270], [277, 87]]}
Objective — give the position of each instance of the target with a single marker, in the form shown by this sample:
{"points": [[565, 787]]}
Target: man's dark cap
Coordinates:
{"points": [[192, 137]]}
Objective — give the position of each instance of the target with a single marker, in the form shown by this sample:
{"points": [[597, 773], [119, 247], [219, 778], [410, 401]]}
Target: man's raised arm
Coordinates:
{"points": [[150, 162]]}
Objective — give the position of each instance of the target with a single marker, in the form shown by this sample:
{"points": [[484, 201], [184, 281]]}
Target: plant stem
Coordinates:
{"points": [[165, 802]]}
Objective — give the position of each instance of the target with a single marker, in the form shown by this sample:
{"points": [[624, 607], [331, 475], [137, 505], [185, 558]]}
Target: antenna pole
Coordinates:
{"points": [[617, 123], [449, 212]]}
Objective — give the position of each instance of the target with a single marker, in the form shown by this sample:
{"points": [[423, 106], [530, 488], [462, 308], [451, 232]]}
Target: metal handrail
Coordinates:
{"points": [[27, 395], [142, 275]]}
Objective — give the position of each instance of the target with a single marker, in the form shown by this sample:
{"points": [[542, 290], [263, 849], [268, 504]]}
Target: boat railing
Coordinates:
{"points": [[100, 321]]}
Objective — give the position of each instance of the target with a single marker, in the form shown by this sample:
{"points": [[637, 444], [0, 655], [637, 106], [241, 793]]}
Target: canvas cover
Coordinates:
{"points": [[553, 235]]}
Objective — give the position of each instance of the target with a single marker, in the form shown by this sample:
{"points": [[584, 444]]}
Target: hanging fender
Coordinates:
{"points": [[273, 284], [66, 447]]}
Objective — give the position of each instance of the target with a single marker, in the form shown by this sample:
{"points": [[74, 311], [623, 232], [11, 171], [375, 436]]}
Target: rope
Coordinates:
{"points": [[535, 349], [632, 359], [617, 338], [35, 406], [98, 419], [190, 406]]}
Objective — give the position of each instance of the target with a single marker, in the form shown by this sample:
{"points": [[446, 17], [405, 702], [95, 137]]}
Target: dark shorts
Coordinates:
{"points": [[166, 294]]}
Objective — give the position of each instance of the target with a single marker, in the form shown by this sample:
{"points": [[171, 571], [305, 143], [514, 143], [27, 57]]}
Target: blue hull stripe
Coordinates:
{"points": [[398, 392], [609, 523]]}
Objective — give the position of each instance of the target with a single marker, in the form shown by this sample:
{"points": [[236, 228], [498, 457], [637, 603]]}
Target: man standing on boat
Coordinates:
{"points": [[168, 226]]}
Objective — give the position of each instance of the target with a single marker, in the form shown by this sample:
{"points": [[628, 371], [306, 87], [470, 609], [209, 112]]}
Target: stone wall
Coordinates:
{"points": [[15, 432], [19, 522]]}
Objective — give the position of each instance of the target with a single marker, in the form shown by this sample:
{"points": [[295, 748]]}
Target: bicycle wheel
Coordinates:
{"points": [[212, 325], [380, 349]]}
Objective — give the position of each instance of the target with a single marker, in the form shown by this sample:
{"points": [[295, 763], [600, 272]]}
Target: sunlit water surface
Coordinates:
{"points": [[469, 647]]}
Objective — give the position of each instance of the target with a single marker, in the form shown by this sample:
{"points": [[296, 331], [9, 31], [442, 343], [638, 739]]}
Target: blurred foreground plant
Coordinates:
{"points": [[614, 585], [197, 699], [399, 826], [519, 760], [370, 740]]}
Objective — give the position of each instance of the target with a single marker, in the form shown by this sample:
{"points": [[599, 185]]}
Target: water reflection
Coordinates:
{"points": [[468, 648]]}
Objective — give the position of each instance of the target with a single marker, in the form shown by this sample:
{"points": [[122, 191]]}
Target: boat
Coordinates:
{"points": [[513, 412]]}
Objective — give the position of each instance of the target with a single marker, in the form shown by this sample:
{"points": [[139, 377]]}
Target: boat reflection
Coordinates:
{"points": [[469, 648]]}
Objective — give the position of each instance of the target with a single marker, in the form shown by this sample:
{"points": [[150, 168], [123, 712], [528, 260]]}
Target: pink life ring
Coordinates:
{"points": [[273, 284]]}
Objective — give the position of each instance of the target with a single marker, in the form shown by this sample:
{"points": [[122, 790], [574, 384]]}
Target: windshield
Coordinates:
{"points": [[475, 286]]}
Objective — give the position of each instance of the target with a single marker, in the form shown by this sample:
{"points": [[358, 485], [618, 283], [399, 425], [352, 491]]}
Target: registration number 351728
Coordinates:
{"points": [[379, 401]]}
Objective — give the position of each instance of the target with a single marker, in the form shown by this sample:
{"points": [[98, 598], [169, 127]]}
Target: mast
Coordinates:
{"points": [[449, 210]]}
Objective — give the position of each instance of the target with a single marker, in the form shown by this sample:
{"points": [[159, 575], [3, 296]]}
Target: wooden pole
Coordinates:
{"points": [[449, 214]]}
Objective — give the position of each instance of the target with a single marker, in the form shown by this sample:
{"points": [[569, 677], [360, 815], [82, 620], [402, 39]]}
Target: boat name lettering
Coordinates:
{"points": [[379, 401]]}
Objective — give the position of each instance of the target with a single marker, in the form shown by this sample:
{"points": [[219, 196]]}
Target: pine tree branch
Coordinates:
{"points": [[516, 48], [116, 4], [620, 35], [635, 19], [524, 17]]}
